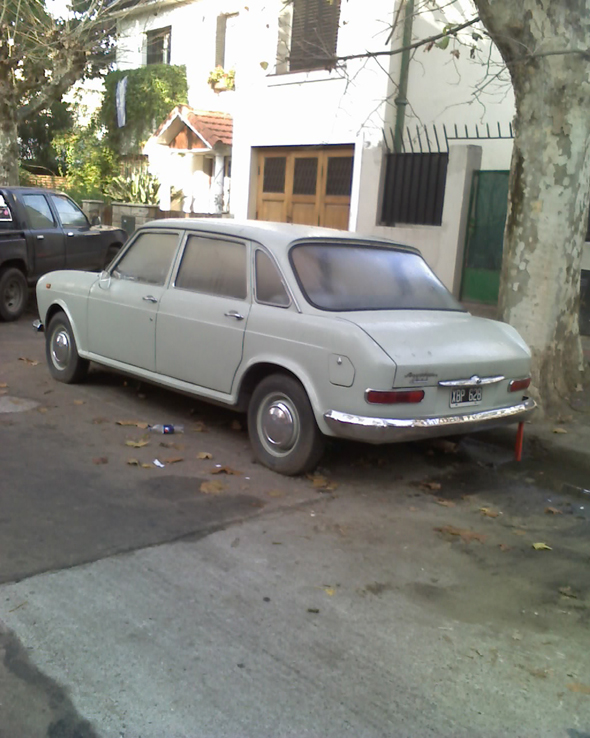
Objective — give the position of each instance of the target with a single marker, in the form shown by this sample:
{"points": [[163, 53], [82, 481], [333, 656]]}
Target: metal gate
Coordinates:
{"points": [[485, 237]]}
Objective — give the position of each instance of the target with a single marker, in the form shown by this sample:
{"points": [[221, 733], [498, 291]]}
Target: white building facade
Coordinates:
{"points": [[314, 130]]}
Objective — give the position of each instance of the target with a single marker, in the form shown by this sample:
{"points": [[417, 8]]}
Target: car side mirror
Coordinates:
{"points": [[104, 281], [96, 220]]}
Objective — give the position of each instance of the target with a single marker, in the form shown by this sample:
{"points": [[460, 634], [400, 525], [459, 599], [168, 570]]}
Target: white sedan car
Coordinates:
{"points": [[312, 332]]}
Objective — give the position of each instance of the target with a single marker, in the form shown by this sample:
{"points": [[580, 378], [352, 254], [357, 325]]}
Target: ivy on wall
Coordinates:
{"points": [[152, 92]]}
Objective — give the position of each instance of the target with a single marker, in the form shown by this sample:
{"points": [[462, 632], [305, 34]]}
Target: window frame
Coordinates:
{"points": [[54, 197], [212, 237], [164, 33], [133, 241], [258, 248]]}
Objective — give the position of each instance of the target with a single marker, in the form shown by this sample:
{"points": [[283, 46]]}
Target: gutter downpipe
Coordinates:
{"points": [[401, 99]]}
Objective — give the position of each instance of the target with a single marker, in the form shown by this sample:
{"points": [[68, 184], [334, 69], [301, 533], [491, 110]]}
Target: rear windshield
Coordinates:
{"points": [[339, 278]]}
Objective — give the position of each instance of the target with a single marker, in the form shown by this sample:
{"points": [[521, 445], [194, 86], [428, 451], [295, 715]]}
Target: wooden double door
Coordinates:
{"points": [[305, 185]]}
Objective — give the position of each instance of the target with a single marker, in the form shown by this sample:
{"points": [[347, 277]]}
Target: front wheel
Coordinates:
{"points": [[14, 293], [65, 364], [282, 427]]}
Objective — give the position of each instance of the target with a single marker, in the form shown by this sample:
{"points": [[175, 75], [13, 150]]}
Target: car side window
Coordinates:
{"points": [[269, 285], [215, 267], [69, 213], [38, 212], [148, 259]]}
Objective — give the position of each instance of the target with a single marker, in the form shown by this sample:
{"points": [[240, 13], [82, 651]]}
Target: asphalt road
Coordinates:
{"points": [[134, 602]]}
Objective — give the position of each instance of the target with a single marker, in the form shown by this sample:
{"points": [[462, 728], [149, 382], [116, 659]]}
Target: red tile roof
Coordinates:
{"points": [[212, 125]]}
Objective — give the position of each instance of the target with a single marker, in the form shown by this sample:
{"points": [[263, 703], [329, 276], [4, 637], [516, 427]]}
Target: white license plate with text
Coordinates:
{"points": [[464, 396]]}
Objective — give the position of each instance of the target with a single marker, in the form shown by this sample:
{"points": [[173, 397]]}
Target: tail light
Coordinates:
{"points": [[393, 397], [516, 385]]}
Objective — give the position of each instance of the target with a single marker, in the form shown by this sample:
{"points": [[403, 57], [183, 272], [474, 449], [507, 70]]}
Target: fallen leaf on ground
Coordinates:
{"points": [[413, 509], [133, 462], [319, 481], [137, 444], [79, 402], [539, 673], [330, 591], [542, 547], [42, 409], [432, 486], [3, 392], [504, 547], [236, 425], [147, 466], [3, 385], [464, 535], [133, 423], [204, 455], [559, 430], [579, 388], [520, 532], [212, 488], [100, 460], [98, 421], [172, 444], [199, 428], [30, 362], [444, 503], [488, 512], [579, 688], [553, 511], [173, 460], [276, 493], [568, 592], [226, 470], [313, 610]]}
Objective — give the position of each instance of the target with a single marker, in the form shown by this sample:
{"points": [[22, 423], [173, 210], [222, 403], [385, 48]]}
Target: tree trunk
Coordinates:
{"points": [[9, 153], [549, 181]]}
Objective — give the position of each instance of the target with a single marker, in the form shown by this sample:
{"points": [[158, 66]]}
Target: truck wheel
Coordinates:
{"points": [[65, 364], [14, 293], [282, 427]]}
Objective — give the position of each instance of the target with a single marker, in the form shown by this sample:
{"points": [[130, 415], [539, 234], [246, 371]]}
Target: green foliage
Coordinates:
{"points": [[139, 187], [35, 138], [90, 162], [152, 92], [219, 78]]}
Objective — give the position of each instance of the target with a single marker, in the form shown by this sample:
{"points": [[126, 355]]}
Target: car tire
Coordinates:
{"points": [[14, 293], [63, 360], [282, 427]]}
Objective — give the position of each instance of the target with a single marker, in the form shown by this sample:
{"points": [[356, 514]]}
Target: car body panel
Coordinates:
{"points": [[193, 342]]}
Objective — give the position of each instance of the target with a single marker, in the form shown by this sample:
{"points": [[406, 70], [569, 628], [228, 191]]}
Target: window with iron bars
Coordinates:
{"points": [[158, 46], [414, 188]]}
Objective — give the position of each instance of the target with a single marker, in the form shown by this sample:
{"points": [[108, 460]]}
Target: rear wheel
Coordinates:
{"points": [[282, 427], [64, 362], [14, 293]]}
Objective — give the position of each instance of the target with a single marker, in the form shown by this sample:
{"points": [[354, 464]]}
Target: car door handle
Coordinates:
{"points": [[234, 314], [40, 238], [149, 298], [70, 233]]}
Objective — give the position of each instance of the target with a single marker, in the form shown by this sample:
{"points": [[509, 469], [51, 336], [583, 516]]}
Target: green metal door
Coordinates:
{"points": [[485, 236]]}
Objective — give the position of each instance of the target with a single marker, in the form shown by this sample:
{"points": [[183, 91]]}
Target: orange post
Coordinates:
{"points": [[519, 439]]}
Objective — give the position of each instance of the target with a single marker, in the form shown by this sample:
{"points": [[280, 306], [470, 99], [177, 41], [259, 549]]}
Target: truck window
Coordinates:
{"points": [[69, 213], [38, 212], [5, 214]]}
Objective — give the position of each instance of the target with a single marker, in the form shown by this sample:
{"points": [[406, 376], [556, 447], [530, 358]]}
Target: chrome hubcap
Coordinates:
{"points": [[278, 424], [60, 348]]}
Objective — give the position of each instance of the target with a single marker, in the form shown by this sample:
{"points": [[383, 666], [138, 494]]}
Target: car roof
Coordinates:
{"points": [[267, 232]]}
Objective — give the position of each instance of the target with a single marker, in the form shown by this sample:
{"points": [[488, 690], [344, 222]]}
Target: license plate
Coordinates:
{"points": [[463, 396]]}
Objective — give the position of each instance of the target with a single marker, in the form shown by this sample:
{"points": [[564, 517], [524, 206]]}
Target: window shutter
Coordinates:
{"points": [[220, 41], [314, 34]]}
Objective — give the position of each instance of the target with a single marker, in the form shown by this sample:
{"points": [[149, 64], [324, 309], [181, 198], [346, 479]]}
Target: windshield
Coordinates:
{"points": [[342, 278]]}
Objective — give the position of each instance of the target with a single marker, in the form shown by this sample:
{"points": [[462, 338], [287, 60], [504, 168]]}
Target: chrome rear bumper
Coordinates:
{"points": [[391, 430]]}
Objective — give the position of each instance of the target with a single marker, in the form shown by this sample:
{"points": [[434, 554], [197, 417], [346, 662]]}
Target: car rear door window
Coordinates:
{"points": [[215, 267], [69, 213], [38, 212], [269, 285], [148, 259]]}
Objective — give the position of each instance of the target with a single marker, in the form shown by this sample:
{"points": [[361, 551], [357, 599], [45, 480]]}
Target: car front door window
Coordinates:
{"points": [[148, 259], [69, 213]]}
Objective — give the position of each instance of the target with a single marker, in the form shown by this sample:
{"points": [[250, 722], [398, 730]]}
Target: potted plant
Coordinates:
{"points": [[221, 80]]}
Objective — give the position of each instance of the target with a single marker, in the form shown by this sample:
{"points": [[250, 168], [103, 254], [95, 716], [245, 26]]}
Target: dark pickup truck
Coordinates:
{"points": [[42, 230]]}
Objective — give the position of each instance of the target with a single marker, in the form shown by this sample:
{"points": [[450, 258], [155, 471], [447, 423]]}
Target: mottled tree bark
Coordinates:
{"points": [[544, 44]]}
